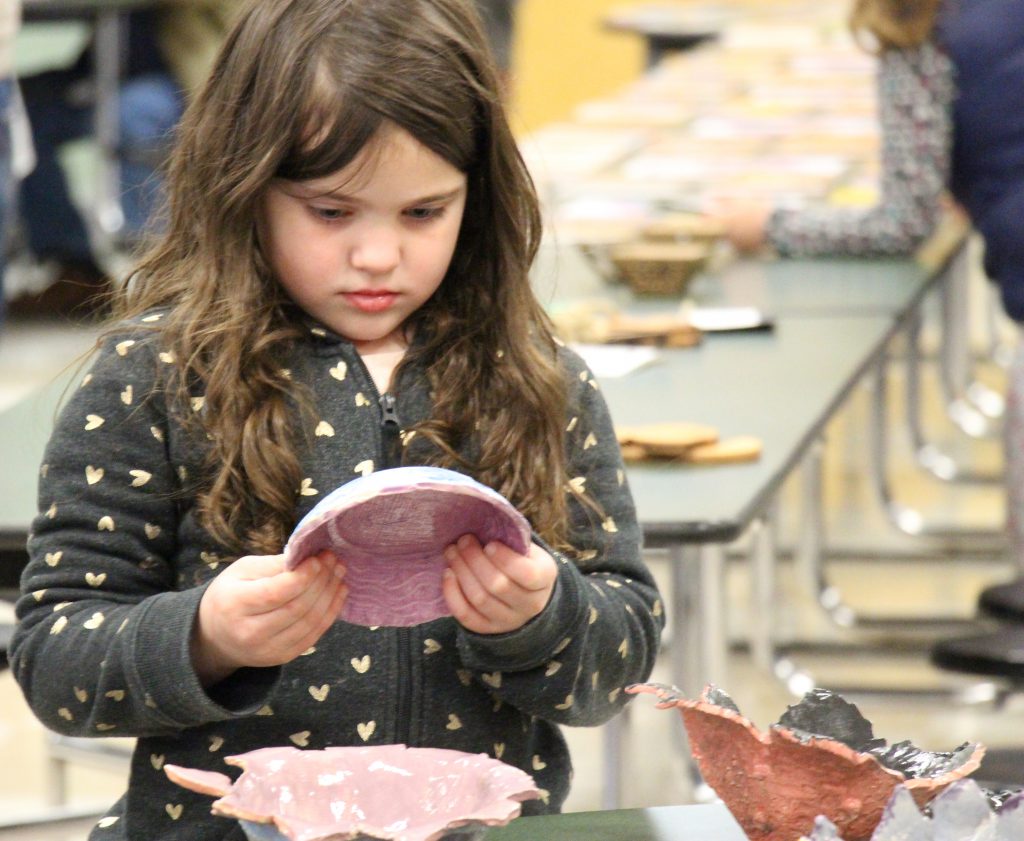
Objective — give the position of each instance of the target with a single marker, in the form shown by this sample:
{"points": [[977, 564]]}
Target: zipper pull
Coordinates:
{"points": [[391, 429], [389, 412]]}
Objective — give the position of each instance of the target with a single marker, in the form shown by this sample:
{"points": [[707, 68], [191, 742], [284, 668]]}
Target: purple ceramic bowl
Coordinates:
{"points": [[391, 528]]}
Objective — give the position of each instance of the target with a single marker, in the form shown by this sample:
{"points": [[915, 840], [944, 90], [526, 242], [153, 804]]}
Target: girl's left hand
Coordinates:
{"points": [[491, 589]]}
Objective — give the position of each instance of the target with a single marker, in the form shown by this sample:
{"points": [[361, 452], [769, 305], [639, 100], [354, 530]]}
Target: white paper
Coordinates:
{"points": [[609, 361], [710, 319]]}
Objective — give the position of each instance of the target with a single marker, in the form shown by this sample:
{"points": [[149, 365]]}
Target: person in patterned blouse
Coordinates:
{"points": [[950, 98], [342, 287]]}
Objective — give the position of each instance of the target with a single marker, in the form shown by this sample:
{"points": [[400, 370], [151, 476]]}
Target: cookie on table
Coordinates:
{"points": [[670, 439], [739, 448]]}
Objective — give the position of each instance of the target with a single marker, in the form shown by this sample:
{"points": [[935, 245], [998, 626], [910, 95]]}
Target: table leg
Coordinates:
{"points": [[928, 455], [908, 520], [699, 644], [999, 349], [110, 46], [763, 569], [955, 353], [811, 534], [615, 735]]}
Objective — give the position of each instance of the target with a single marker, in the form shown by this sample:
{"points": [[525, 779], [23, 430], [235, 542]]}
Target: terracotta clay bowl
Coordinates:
{"points": [[391, 528], [375, 793], [820, 758]]}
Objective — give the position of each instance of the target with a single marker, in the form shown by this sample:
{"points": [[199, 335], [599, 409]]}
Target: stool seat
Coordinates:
{"points": [[1004, 601], [6, 632], [999, 653]]}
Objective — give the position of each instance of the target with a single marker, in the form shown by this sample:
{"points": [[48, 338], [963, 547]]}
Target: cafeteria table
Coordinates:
{"points": [[667, 30], [672, 26], [850, 285], [24, 430], [711, 822]]}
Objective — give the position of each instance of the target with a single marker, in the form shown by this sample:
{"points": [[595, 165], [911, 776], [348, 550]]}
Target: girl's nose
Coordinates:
{"points": [[377, 250]]}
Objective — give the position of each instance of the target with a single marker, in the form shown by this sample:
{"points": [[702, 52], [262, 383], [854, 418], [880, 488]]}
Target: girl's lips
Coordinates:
{"points": [[371, 300]]}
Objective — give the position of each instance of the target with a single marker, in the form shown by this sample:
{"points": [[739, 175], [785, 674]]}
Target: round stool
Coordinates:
{"points": [[6, 632], [1004, 601], [999, 653]]}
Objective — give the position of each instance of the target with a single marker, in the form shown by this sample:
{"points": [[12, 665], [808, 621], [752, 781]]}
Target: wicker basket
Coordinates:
{"points": [[655, 268]]}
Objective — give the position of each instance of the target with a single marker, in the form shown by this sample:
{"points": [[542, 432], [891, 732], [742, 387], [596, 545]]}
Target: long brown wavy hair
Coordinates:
{"points": [[299, 88], [882, 25]]}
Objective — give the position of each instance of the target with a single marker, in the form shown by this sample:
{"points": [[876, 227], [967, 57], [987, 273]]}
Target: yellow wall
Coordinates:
{"points": [[563, 55]]}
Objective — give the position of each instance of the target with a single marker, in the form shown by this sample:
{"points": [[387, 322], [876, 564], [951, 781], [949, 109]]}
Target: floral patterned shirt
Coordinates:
{"points": [[915, 95]]}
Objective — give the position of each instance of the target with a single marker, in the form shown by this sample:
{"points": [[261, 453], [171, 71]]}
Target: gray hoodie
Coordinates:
{"points": [[119, 564]]}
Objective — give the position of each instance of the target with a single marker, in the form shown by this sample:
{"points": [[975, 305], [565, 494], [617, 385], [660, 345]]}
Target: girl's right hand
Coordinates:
{"points": [[745, 221], [257, 613]]}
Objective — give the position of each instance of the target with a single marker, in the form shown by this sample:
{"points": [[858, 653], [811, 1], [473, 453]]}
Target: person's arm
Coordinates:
{"points": [[601, 628], [915, 90], [107, 610]]}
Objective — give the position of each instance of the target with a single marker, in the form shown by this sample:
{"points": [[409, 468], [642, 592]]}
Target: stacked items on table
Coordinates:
{"points": [[782, 105]]}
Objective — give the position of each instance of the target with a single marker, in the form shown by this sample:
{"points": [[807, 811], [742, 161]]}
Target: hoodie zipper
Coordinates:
{"points": [[390, 432], [391, 428]]}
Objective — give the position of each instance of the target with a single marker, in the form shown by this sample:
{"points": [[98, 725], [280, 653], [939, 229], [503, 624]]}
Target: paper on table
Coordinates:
{"points": [[711, 319], [611, 361]]}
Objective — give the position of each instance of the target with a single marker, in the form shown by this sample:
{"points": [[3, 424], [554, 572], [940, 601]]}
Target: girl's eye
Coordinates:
{"points": [[329, 214], [422, 214]]}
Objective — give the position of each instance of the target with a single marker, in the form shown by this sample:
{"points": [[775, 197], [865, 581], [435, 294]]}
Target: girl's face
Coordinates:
{"points": [[365, 247]]}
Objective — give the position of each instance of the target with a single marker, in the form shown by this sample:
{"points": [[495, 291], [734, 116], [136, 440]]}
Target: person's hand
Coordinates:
{"points": [[491, 589], [257, 613], [743, 220]]}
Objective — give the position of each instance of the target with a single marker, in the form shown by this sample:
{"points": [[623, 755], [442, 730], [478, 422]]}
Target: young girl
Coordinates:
{"points": [[342, 287]]}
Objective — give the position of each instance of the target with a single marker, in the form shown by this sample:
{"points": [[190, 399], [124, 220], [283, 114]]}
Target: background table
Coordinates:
{"points": [[110, 45], [24, 430], [664, 823], [666, 29], [64, 9], [781, 386]]}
